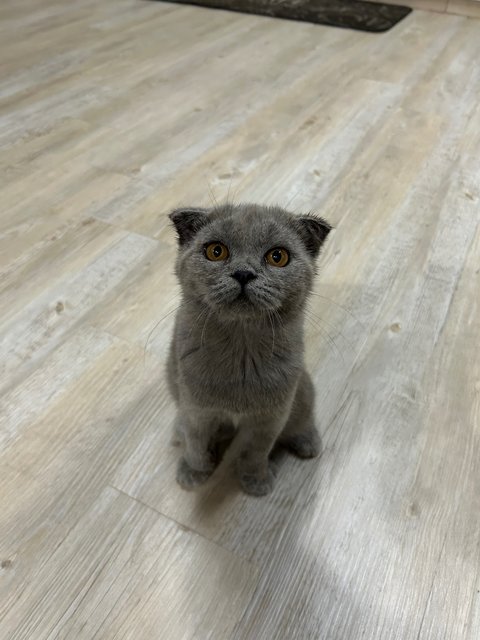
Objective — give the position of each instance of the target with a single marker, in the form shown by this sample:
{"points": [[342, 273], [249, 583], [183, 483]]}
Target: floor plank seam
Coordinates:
{"points": [[453, 295], [430, 591], [124, 226], [183, 527]]}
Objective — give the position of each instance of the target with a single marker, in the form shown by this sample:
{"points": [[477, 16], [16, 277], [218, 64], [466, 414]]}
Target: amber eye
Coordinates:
{"points": [[277, 257], [216, 251]]}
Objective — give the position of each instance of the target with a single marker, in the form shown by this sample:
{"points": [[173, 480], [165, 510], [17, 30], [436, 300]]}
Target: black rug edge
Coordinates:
{"points": [[398, 13]]}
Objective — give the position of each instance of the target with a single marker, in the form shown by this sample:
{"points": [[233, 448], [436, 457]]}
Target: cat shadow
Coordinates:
{"points": [[300, 592], [223, 485]]}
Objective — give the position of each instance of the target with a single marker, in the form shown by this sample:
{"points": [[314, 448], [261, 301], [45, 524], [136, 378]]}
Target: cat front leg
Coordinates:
{"points": [[258, 435], [300, 435], [198, 462]]}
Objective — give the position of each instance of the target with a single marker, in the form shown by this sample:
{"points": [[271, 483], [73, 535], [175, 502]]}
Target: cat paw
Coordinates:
{"points": [[256, 484], [304, 445], [189, 478]]}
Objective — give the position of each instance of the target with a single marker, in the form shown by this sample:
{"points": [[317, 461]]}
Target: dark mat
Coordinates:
{"points": [[349, 14]]}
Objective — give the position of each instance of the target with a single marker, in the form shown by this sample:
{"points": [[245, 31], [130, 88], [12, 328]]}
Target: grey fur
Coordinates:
{"points": [[241, 360]]}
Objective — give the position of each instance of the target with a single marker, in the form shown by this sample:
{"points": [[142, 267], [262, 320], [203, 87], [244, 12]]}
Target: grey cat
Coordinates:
{"points": [[236, 357]]}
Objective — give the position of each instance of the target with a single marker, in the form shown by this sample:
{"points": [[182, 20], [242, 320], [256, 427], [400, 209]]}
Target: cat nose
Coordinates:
{"points": [[244, 276]]}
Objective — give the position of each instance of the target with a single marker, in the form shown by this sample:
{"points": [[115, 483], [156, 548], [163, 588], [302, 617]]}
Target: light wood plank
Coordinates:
{"points": [[60, 447], [111, 114], [30, 333], [122, 571], [464, 8]]}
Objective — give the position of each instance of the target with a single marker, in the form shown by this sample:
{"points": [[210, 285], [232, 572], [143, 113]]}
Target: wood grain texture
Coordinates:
{"points": [[111, 114], [131, 573], [425, 5], [464, 8], [469, 8]]}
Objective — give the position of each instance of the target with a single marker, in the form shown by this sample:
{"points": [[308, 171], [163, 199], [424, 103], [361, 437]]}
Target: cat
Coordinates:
{"points": [[237, 353]]}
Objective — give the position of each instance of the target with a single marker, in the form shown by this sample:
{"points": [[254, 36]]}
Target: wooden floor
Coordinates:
{"points": [[113, 112]]}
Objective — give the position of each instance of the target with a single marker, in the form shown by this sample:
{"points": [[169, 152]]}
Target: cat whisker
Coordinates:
{"points": [[330, 326], [213, 199], [197, 319], [229, 187], [279, 319], [154, 328], [291, 199], [326, 335], [204, 327], [273, 333], [164, 317], [319, 295], [267, 295]]}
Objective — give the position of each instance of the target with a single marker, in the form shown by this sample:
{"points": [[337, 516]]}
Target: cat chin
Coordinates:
{"points": [[239, 311], [244, 309]]}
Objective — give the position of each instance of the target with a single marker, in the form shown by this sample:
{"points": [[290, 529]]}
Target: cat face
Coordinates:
{"points": [[245, 261]]}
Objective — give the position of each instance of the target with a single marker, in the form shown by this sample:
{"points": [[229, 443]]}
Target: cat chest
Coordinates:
{"points": [[238, 381]]}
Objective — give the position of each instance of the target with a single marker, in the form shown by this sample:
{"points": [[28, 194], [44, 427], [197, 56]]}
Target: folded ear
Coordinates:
{"points": [[187, 222], [313, 231]]}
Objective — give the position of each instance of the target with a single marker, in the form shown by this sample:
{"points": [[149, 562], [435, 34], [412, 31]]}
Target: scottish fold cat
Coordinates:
{"points": [[237, 353]]}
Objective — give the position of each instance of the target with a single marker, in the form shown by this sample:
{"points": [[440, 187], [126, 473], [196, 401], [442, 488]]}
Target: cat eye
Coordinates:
{"points": [[277, 257], [216, 251]]}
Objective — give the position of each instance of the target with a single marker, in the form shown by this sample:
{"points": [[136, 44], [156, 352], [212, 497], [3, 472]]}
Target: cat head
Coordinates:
{"points": [[245, 261]]}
